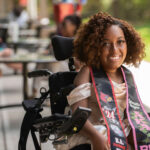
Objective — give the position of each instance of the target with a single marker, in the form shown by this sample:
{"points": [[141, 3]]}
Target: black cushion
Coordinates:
{"points": [[62, 47]]}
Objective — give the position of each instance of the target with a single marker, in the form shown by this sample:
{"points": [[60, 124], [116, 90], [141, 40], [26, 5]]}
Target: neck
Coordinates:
{"points": [[116, 76]]}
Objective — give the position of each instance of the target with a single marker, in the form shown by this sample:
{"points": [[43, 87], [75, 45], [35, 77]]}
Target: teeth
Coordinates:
{"points": [[115, 58]]}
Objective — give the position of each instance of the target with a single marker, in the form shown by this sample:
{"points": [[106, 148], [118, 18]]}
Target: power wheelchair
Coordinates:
{"points": [[58, 124]]}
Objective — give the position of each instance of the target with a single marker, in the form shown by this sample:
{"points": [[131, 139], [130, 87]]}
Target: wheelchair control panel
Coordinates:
{"points": [[60, 125]]}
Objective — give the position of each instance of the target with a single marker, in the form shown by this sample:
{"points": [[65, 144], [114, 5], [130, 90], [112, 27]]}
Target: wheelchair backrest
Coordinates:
{"points": [[62, 46]]}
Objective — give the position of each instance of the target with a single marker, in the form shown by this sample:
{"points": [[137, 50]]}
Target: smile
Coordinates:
{"points": [[114, 58]]}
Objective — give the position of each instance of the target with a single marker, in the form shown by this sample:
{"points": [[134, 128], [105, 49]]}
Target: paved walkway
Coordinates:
{"points": [[11, 92]]}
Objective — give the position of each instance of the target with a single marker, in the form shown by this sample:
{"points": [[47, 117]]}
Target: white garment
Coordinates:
{"points": [[21, 20]]}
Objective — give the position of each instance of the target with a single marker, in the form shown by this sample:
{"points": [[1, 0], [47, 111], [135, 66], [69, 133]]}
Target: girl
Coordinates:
{"points": [[104, 44]]}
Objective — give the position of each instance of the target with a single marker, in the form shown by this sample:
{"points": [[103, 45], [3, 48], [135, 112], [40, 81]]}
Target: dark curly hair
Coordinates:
{"points": [[88, 40]]}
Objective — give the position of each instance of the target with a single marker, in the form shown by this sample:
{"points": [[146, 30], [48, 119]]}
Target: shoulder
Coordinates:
{"points": [[83, 76]]}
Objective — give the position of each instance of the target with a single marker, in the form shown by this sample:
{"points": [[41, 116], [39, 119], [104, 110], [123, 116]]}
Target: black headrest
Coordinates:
{"points": [[62, 46]]}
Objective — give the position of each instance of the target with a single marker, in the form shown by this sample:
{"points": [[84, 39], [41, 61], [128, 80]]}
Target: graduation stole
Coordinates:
{"points": [[137, 116]]}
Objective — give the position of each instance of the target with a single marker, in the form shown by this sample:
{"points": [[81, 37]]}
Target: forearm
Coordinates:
{"points": [[6, 52], [88, 129], [97, 139]]}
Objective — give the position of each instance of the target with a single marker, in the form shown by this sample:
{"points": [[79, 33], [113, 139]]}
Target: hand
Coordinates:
{"points": [[100, 143], [98, 140], [6, 52]]}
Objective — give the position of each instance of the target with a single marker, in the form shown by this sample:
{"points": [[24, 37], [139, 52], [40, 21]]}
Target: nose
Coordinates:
{"points": [[114, 47]]}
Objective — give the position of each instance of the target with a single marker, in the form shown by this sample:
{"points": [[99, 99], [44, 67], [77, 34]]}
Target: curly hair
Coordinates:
{"points": [[88, 40]]}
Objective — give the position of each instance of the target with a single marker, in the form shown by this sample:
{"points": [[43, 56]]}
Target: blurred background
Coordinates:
{"points": [[46, 14], [26, 28]]}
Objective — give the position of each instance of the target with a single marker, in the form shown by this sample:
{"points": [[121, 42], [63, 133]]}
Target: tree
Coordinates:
{"points": [[92, 7]]}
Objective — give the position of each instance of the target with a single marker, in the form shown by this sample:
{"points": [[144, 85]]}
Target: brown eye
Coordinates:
{"points": [[106, 44], [120, 42]]}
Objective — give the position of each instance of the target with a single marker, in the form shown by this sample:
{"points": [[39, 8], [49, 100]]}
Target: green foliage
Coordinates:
{"points": [[106, 4], [132, 10], [92, 7], [144, 31]]}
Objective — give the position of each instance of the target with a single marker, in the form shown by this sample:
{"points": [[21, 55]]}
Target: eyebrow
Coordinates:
{"points": [[118, 38], [121, 37]]}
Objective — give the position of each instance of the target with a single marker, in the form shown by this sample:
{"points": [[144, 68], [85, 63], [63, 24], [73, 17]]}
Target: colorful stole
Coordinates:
{"points": [[137, 116]]}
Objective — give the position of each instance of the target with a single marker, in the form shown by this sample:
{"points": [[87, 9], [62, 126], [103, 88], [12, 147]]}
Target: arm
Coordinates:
{"points": [[98, 140], [5, 52]]}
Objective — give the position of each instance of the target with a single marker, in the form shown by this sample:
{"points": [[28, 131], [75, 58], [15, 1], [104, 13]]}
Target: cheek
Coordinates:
{"points": [[105, 53], [103, 56], [125, 51]]}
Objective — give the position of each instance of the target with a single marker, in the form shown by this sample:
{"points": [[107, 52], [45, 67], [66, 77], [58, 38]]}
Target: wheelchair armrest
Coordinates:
{"points": [[76, 122], [39, 73], [60, 124]]}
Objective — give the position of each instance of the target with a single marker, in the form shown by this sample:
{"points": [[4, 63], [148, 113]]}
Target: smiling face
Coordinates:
{"points": [[114, 49]]}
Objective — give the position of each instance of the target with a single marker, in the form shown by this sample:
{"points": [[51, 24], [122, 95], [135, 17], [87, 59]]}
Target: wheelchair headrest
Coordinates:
{"points": [[62, 47]]}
